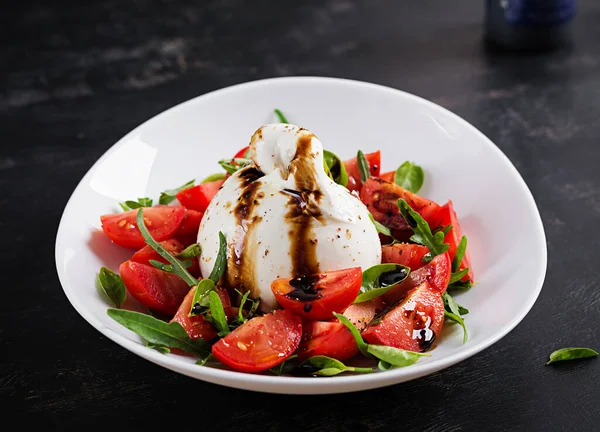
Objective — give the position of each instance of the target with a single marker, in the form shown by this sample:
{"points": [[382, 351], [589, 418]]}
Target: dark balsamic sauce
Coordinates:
{"points": [[304, 289], [391, 277], [426, 339]]}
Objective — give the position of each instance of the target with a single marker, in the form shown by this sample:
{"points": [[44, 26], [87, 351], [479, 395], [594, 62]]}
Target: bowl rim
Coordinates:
{"points": [[311, 385]]}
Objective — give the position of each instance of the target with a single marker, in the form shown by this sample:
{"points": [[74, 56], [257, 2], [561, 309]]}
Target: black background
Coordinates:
{"points": [[75, 77]]}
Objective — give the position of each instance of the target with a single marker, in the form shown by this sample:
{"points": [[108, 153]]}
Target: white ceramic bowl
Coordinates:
{"points": [[495, 207]]}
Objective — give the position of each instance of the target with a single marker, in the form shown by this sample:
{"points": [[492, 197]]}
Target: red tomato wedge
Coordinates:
{"points": [[412, 324], [406, 254], [354, 181], [195, 326], [162, 223], [242, 153], [189, 226], [381, 198], [453, 238], [198, 197], [157, 290], [388, 176], [436, 273], [260, 343], [361, 314], [174, 247], [316, 297], [327, 338]]}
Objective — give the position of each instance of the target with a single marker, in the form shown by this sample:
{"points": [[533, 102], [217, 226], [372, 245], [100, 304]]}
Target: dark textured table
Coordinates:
{"points": [[76, 77]]}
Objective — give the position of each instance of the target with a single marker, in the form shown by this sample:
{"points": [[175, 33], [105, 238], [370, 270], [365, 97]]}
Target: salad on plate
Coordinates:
{"points": [[291, 261]]}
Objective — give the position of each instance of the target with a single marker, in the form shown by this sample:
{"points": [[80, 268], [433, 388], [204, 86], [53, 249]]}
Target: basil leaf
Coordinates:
{"points": [[457, 276], [112, 285], [178, 267], [214, 177], [220, 261], [395, 356], [202, 292], [281, 117], [362, 345], [157, 332], [169, 195], [335, 168], [161, 349], [363, 166], [232, 165], [422, 233], [459, 254], [218, 313], [191, 251], [203, 359], [379, 279], [410, 176], [571, 354], [286, 367], [380, 228]]}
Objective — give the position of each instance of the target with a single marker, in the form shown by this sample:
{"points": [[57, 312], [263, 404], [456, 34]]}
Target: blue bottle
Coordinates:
{"points": [[529, 24]]}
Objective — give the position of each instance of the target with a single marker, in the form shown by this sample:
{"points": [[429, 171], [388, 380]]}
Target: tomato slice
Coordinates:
{"points": [[327, 338], [195, 326], [361, 314], [260, 343], [162, 223], [190, 225], [354, 181], [316, 297], [242, 153], [174, 247], [405, 254], [381, 198], [198, 197], [437, 273], [388, 176], [453, 238], [412, 324], [157, 290]]}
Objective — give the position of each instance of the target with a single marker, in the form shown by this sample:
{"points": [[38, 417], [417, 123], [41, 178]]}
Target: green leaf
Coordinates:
{"points": [[335, 168], [132, 205], [161, 349], [220, 261], [571, 354], [214, 177], [379, 279], [362, 345], [461, 285], [457, 276], [281, 117], [218, 314], [453, 312], [157, 332], [286, 367], [410, 176], [169, 195], [203, 359], [394, 356], [253, 309], [422, 232], [384, 366], [202, 292], [191, 251], [327, 366], [363, 166], [232, 165], [112, 285], [178, 267], [460, 253], [458, 319], [124, 206], [380, 228]]}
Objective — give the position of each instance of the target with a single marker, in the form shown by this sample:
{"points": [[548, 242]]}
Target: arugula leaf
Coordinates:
{"points": [[286, 367], [232, 165], [112, 285], [201, 295], [132, 205], [220, 261], [384, 366], [422, 233], [169, 195], [458, 319], [327, 366], [571, 354], [203, 359], [394, 356], [178, 267], [362, 345], [157, 332], [124, 207], [335, 168], [381, 228], [281, 117], [453, 312], [191, 251], [457, 276], [460, 253], [461, 285], [379, 279], [214, 177], [217, 313], [161, 349], [410, 176], [363, 166], [240, 319]]}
